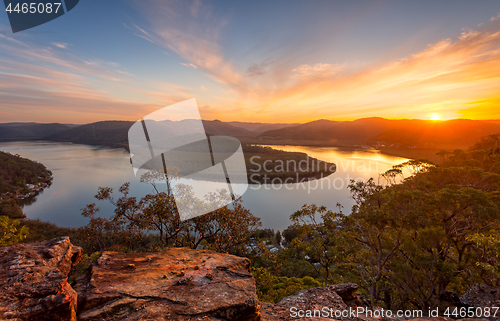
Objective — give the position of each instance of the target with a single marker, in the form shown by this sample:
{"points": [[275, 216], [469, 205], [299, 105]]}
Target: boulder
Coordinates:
{"points": [[316, 298], [274, 312], [337, 297], [174, 284], [33, 280], [481, 295]]}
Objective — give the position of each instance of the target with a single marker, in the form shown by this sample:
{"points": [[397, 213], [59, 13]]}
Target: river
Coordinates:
{"points": [[80, 169]]}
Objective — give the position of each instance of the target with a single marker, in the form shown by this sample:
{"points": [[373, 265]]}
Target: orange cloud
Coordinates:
{"points": [[452, 78], [443, 78]]}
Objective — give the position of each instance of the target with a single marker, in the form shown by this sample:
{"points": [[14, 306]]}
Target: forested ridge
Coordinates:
{"points": [[18, 177], [16, 172]]}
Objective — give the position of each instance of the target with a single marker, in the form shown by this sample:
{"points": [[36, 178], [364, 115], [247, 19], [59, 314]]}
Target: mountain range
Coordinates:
{"points": [[373, 131], [380, 131]]}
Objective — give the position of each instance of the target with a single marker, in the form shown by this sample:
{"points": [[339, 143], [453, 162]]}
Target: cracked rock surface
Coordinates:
{"points": [[33, 280], [174, 284]]}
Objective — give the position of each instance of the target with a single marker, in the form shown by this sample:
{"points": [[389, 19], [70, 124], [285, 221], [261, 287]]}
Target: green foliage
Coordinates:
{"points": [[16, 172], [84, 264], [414, 237], [290, 233], [319, 243], [488, 260], [137, 222], [10, 208], [272, 288], [11, 232], [42, 231], [264, 233], [408, 241]]}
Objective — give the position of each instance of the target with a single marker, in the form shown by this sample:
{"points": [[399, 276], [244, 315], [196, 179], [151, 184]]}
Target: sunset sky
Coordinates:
{"points": [[255, 61]]}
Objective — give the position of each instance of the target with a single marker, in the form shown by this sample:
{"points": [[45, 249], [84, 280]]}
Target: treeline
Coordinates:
{"points": [[153, 222], [266, 165], [389, 132], [16, 172]]}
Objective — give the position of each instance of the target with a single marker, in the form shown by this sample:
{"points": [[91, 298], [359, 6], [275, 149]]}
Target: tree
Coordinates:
{"points": [[378, 223], [11, 232], [226, 229], [272, 288], [415, 235], [319, 243]]}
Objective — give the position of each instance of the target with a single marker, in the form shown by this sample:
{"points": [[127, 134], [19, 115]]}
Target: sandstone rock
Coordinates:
{"points": [[341, 297], [315, 298], [33, 280], [337, 297], [481, 295], [274, 312], [168, 285]]}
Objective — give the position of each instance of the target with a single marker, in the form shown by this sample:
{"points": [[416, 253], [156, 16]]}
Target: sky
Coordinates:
{"points": [[255, 61]]}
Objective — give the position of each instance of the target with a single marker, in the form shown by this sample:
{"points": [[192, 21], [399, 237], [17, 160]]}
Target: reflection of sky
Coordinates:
{"points": [[355, 164], [79, 170]]}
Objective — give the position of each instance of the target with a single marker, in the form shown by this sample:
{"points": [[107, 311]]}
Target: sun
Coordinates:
{"points": [[435, 117]]}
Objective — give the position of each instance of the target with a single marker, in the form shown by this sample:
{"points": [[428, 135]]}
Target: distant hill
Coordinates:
{"points": [[331, 131], [373, 131], [429, 133], [379, 131], [258, 128], [115, 133], [108, 133], [216, 127], [29, 131]]}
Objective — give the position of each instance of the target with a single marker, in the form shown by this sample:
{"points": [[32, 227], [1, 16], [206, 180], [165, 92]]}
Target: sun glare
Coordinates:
{"points": [[435, 117]]}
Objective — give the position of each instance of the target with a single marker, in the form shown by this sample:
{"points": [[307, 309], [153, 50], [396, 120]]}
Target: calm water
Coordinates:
{"points": [[80, 169]]}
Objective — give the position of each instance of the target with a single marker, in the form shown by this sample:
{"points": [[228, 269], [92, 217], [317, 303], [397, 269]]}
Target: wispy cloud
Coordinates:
{"points": [[445, 78], [56, 59], [190, 30], [189, 65], [44, 84], [60, 45], [317, 71], [456, 77]]}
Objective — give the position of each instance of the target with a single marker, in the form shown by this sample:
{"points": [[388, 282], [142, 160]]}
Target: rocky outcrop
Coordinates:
{"points": [[174, 284], [33, 280], [343, 297], [336, 297], [481, 295]]}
